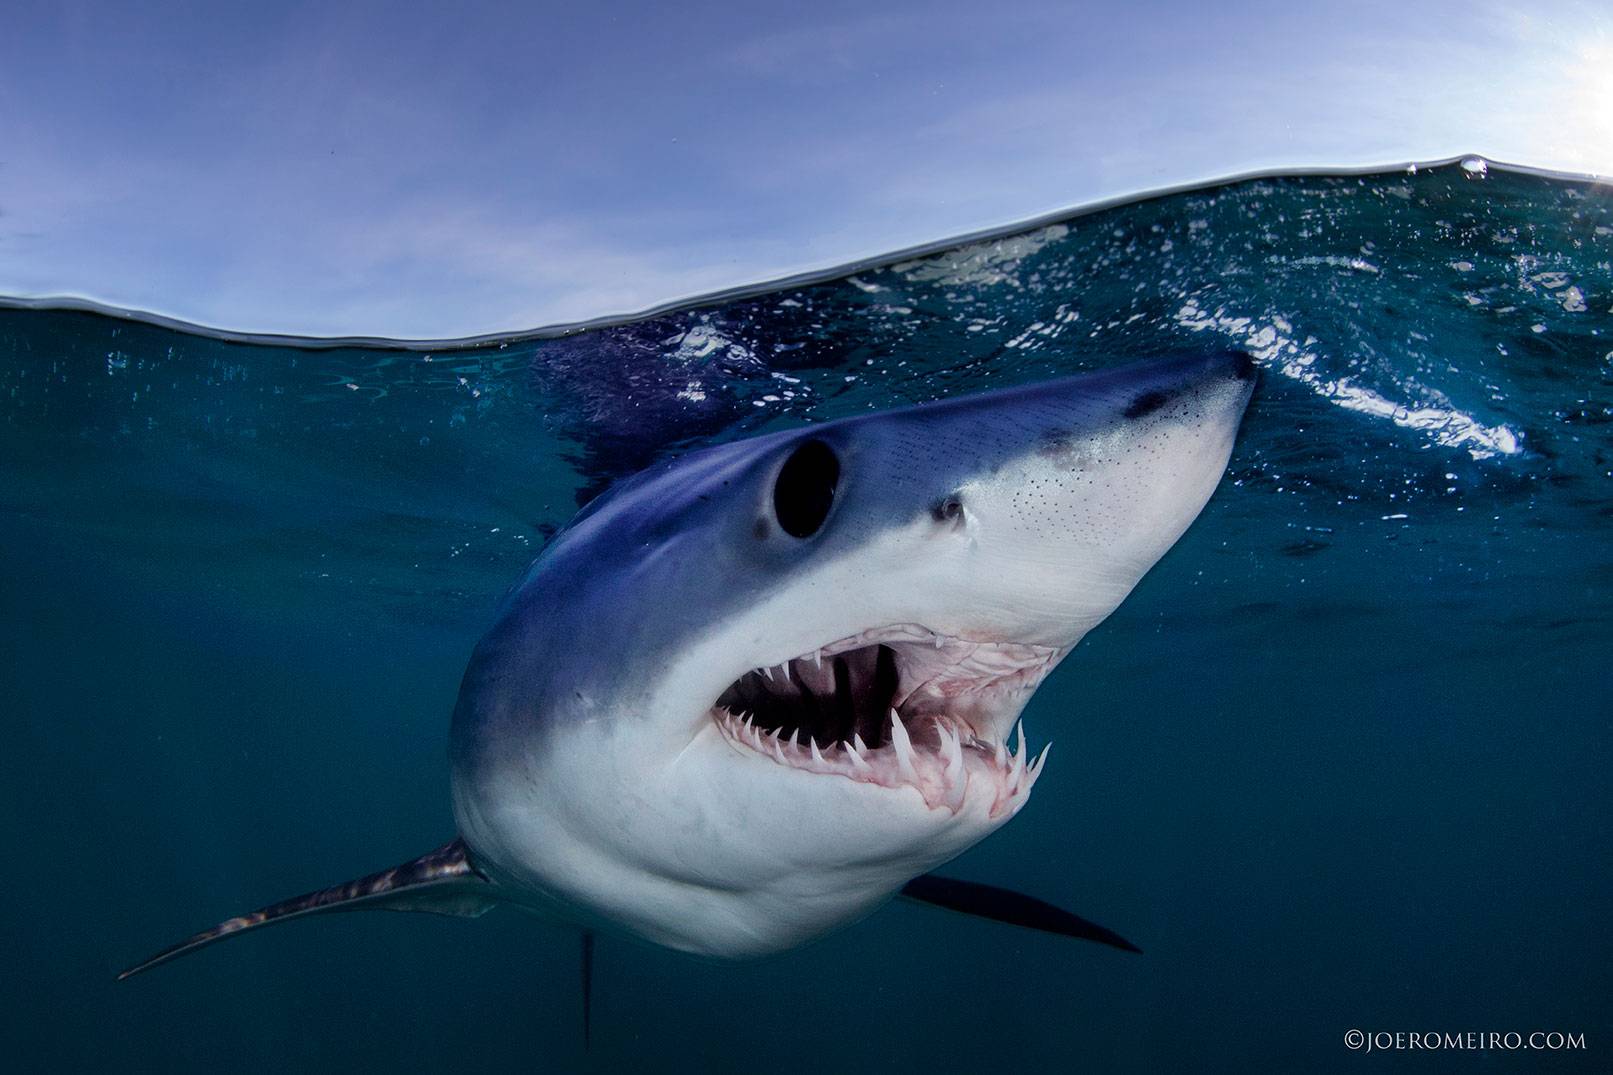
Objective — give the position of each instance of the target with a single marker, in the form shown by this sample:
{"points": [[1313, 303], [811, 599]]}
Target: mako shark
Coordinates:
{"points": [[750, 694]]}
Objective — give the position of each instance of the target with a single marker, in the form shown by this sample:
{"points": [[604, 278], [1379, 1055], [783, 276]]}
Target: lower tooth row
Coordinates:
{"points": [[1015, 776]]}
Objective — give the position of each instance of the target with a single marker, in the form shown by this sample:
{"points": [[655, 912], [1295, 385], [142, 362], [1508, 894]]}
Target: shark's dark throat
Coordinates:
{"points": [[826, 699]]}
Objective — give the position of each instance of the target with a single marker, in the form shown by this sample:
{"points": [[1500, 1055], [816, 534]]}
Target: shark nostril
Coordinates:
{"points": [[1146, 404]]}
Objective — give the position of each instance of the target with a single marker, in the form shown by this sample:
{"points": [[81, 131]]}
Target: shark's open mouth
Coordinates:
{"points": [[897, 706]]}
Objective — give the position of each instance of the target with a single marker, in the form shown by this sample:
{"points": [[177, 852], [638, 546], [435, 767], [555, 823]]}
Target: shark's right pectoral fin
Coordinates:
{"points": [[1008, 906], [443, 881]]}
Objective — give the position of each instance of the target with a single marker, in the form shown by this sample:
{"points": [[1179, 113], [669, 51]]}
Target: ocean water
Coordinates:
{"points": [[1340, 762]]}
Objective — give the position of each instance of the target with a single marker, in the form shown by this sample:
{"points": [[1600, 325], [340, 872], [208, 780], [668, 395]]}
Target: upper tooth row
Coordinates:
{"points": [[817, 655]]}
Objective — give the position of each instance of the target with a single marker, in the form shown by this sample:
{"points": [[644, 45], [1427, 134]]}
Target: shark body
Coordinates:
{"points": [[750, 694]]}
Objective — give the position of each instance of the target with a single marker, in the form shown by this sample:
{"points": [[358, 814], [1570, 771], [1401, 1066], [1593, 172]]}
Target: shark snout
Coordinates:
{"points": [[1222, 379], [1143, 413], [1072, 489], [1205, 387]]}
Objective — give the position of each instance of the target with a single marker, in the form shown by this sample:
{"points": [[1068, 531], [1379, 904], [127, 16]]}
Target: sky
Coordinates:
{"points": [[429, 171]]}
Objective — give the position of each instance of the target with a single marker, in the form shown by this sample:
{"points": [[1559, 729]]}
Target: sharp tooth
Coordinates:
{"points": [[856, 757], [1018, 772], [904, 749], [857, 741], [778, 751], [795, 740], [817, 659], [767, 670], [1035, 770], [817, 756]]}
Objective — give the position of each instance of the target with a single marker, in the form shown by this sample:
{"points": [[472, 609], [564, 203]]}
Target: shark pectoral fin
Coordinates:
{"points": [[1005, 905], [443, 881]]}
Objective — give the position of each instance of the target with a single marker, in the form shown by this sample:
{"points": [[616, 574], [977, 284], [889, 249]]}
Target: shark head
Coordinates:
{"points": [[748, 694]]}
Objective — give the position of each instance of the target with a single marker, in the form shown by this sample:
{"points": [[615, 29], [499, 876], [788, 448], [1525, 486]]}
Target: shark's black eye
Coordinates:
{"points": [[805, 490]]}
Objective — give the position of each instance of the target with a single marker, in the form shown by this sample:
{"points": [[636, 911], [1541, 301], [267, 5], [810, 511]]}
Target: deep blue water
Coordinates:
{"points": [[1341, 761]]}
